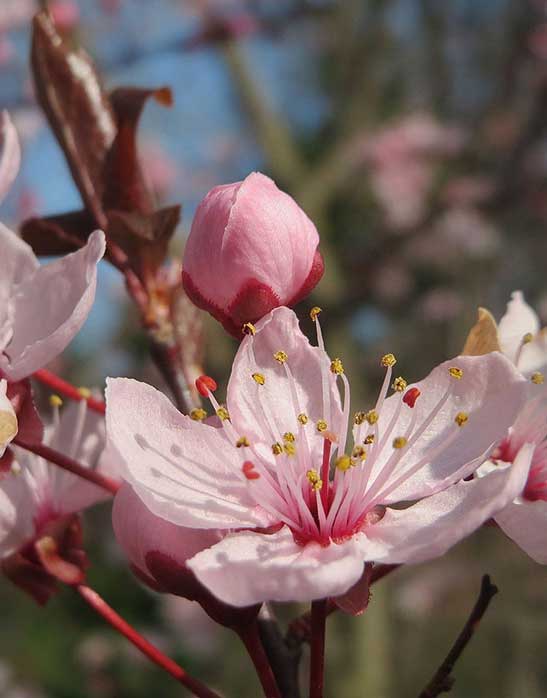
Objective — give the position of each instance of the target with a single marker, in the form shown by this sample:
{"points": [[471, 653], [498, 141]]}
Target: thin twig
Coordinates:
{"points": [[443, 680], [153, 653], [250, 637], [69, 464], [61, 386]]}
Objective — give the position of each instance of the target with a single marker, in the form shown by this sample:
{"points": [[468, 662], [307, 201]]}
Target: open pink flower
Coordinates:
{"points": [[524, 520], [251, 248], [40, 537], [42, 307], [303, 511]]}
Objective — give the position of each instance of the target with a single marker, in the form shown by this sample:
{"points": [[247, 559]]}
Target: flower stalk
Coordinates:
{"points": [[317, 646], [250, 637], [153, 653]]}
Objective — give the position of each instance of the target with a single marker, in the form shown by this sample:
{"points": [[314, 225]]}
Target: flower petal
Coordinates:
{"points": [[8, 419], [428, 529], [491, 392], [526, 523], [11, 154], [185, 472], [519, 319], [16, 514], [50, 307], [246, 568], [140, 532], [279, 331]]}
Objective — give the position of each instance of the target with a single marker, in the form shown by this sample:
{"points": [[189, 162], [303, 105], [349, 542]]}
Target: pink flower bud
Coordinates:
{"points": [[251, 249]]}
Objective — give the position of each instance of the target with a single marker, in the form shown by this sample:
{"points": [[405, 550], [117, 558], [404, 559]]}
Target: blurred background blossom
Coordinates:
{"points": [[414, 134]]}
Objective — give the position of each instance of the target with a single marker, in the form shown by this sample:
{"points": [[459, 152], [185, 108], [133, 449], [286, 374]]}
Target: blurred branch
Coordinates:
{"points": [[443, 681], [272, 131]]}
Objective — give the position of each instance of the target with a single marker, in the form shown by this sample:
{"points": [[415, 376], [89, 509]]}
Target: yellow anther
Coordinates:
{"points": [[277, 448], [314, 479], [302, 418], [537, 378], [223, 413], [259, 378], [456, 372], [359, 453], [400, 442], [280, 356], [336, 367], [372, 417], [289, 436], [359, 417], [198, 414], [343, 463], [85, 393], [399, 384], [528, 337], [388, 360], [369, 440], [242, 442], [289, 448], [314, 312], [461, 418], [55, 401], [321, 425], [248, 328]]}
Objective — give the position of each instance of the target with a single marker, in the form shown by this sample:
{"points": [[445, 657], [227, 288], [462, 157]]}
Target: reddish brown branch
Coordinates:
{"points": [[70, 465], [443, 680], [120, 625], [64, 388]]}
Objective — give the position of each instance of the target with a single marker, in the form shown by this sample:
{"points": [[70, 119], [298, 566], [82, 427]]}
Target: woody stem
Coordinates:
{"points": [[69, 464], [154, 655]]}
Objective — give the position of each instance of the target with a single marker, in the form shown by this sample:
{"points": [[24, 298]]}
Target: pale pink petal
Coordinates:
{"points": [[246, 568], [491, 392], [525, 522], [8, 419], [17, 262], [16, 514], [50, 307], [428, 529], [185, 472], [519, 319], [10, 158], [140, 532], [258, 410]]}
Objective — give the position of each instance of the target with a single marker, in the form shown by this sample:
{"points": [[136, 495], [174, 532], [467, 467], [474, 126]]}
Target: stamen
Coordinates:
{"points": [[399, 384], [369, 440], [277, 448], [198, 414], [259, 378], [321, 425], [337, 367], [242, 442], [410, 397], [314, 479], [528, 337], [205, 385], [289, 436], [359, 453], [280, 356], [400, 442], [359, 418], [343, 463], [456, 372], [290, 449], [249, 471], [55, 401], [388, 360], [461, 418], [537, 378], [248, 329], [314, 312], [372, 417], [302, 418], [222, 413], [85, 392]]}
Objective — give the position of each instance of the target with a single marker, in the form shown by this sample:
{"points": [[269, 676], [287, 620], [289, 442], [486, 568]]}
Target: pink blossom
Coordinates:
{"points": [[42, 307], [302, 511], [39, 500], [251, 248], [524, 520], [11, 154], [15, 13], [65, 14]]}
